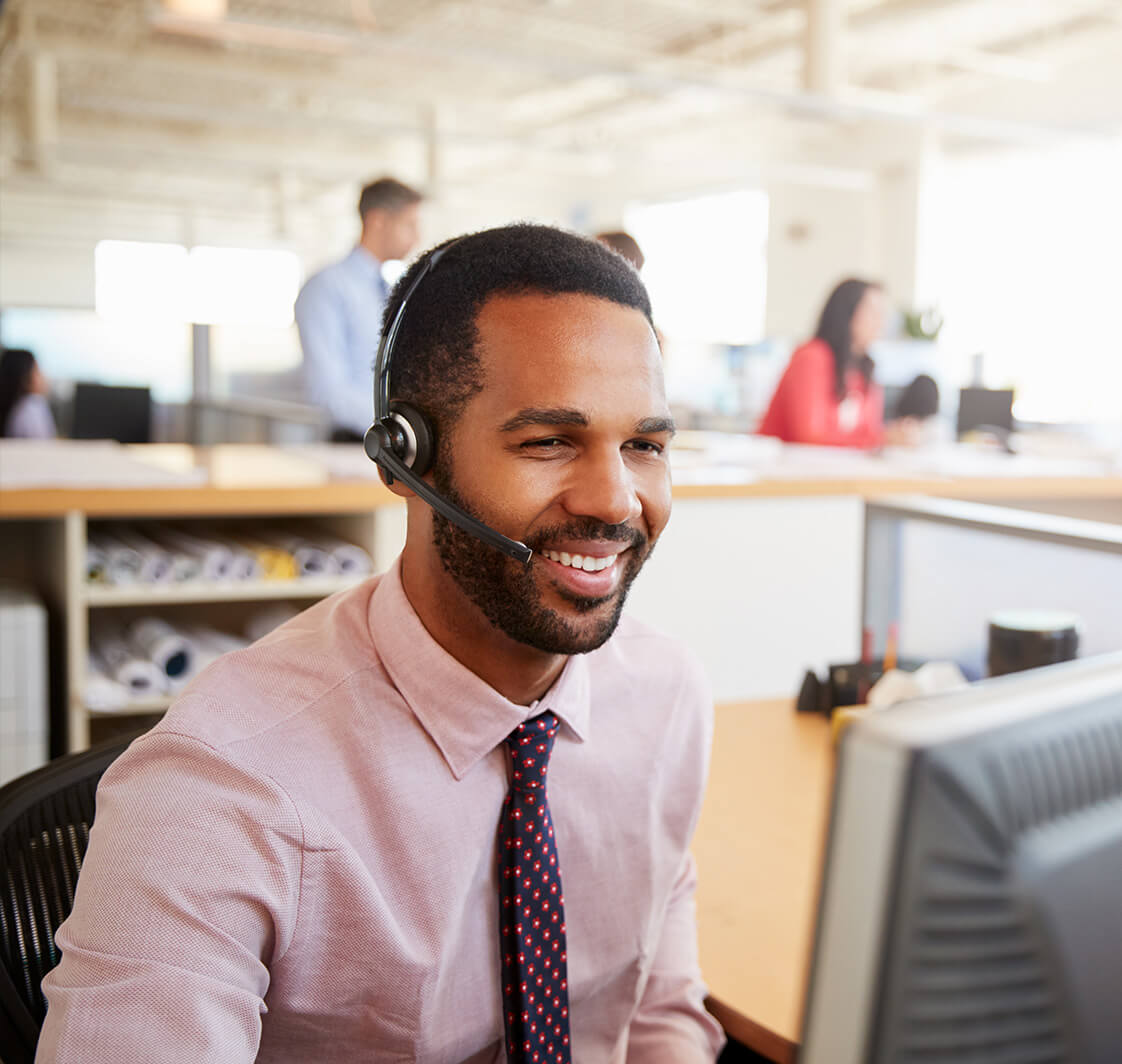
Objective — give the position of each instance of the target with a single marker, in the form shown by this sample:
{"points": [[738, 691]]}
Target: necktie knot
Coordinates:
{"points": [[530, 744]]}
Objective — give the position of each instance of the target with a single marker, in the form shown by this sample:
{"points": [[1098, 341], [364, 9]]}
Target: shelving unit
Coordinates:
{"points": [[49, 553], [225, 605]]}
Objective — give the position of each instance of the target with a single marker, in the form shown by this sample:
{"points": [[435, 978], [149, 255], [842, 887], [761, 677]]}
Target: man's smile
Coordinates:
{"points": [[587, 575]]}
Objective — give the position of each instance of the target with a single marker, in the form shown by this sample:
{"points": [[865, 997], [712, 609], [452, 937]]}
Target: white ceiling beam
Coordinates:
{"points": [[825, 28], [42, 109]]}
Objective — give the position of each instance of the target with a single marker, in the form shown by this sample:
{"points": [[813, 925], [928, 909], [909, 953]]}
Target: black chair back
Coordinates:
{"points": [[45, 819]]}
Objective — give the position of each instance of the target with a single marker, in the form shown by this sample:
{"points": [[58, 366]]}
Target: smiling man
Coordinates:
{"points": [[340, 843]]}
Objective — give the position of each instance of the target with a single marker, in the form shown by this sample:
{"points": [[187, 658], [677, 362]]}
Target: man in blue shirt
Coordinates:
{"points": [[339, 309]]}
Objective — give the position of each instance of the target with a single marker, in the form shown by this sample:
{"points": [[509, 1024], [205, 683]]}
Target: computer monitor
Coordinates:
{"points": [[971, 902], [985, 408], [111, 412]]}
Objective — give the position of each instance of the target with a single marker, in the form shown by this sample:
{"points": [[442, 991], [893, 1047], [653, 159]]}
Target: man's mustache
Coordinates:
{"points": [[588, 529]]}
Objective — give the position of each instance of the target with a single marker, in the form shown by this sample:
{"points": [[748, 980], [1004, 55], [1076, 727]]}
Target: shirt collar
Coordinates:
{"points": [[464, 716]]}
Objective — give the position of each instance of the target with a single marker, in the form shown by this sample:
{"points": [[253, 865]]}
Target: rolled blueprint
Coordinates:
{"points": [[113, 657], [104, 694], [120, 563], [346, 558], [169, 650]]}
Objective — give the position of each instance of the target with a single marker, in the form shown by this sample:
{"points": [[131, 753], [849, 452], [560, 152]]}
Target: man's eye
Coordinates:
{"points": [[543, 444], [646, 446]]}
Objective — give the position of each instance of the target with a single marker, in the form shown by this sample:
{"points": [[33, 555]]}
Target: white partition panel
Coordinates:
{"points": [[760, 588], [953, 579]]}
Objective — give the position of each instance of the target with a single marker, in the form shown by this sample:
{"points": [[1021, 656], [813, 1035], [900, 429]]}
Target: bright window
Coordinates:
{"points": [[79, 345], [706, 265], [1023, 258], [240, 286], [140, 281], [208, 285]]}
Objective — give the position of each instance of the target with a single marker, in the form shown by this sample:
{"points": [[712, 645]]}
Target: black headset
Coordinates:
{"points": [[401, 440]]}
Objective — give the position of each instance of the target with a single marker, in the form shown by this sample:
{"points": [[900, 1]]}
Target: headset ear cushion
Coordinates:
{"points": [[423, 436]]}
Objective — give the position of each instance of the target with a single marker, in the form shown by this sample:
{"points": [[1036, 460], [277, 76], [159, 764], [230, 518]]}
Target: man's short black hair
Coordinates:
{"points": [[386, 194], [435, 364]]}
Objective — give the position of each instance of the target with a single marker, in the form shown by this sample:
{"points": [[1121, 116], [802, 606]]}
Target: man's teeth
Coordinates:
{"points": [[580, 561]]}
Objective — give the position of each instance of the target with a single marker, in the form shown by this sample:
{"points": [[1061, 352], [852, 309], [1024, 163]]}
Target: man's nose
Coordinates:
{"points": [[602, 486]]}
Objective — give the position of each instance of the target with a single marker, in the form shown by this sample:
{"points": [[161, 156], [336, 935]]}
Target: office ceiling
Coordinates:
{"points": [[274, 105]]}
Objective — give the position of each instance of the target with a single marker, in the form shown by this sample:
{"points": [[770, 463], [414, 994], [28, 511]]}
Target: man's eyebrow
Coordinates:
{"points": [[651, 425], [544, 416]]}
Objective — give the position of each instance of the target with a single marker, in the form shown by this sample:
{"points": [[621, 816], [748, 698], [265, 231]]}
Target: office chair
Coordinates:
{"points": [[45, 819]]}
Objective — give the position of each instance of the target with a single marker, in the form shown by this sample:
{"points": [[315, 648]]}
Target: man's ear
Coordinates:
{"points": [[399, 489]]}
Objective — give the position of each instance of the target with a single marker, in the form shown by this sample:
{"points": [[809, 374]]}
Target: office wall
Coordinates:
{"points": [[45, 273], [816, 237]]}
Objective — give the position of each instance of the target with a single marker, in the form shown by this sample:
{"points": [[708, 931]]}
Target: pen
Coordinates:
{"points": [[890, 646]]}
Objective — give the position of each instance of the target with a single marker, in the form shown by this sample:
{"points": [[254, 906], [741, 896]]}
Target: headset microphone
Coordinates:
{"points": [[401, 441]]}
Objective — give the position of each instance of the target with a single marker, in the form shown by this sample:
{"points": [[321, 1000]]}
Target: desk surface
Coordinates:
{"points": [[758, 848]]}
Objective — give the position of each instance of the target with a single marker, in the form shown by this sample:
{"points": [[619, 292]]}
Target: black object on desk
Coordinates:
{"points": [[111, 412], [985, 408], [846, 684], [1028, 639]]}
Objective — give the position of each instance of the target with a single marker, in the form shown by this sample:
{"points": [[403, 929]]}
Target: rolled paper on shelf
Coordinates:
{"points": [[265, 620], [122, 564], [244, 565], [310, 559], [96, 565], [104, 694], [141, 677], [185, 568], [156, 641], [272, 563], [275, 564], [348, 559], [215, 560], [156, 563]]}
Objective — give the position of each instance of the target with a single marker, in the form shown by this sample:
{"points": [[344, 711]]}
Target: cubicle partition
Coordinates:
{"points": [[940, 568]]}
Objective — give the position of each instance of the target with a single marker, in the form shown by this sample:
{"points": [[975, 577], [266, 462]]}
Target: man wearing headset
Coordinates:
{"points": [[340, 844]]}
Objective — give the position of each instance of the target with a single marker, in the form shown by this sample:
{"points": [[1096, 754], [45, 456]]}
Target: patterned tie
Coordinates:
{"points": [[531, 907]]}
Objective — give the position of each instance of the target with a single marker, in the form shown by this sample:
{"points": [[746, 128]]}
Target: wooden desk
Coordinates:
{"points": [[758, 848]]}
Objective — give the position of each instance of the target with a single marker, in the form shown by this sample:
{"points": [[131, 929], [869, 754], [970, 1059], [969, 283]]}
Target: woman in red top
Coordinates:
{"points": [[826, 394]]}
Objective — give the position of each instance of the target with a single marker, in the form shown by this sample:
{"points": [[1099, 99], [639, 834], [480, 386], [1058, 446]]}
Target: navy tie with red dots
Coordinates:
{"points": [[531, 906]]}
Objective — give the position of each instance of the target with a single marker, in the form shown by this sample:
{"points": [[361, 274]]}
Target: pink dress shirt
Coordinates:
{"points": [[298, 863]]}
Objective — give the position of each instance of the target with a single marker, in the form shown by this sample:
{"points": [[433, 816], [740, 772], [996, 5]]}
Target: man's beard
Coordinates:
{"points": [[507, 593]]}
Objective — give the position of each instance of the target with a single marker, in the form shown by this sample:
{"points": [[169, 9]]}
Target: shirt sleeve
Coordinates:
{"points": [[672, 1025], [187, 895], [321, 322]]}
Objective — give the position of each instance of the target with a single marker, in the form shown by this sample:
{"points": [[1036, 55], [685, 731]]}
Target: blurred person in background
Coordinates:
{"points": [[339, 309], [827, 394], [623, 244], [626, 245], [24, 411]]}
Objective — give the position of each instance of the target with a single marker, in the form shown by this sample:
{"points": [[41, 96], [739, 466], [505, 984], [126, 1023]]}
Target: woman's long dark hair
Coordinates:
{"points": [[834, 327], [16, 365]]}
